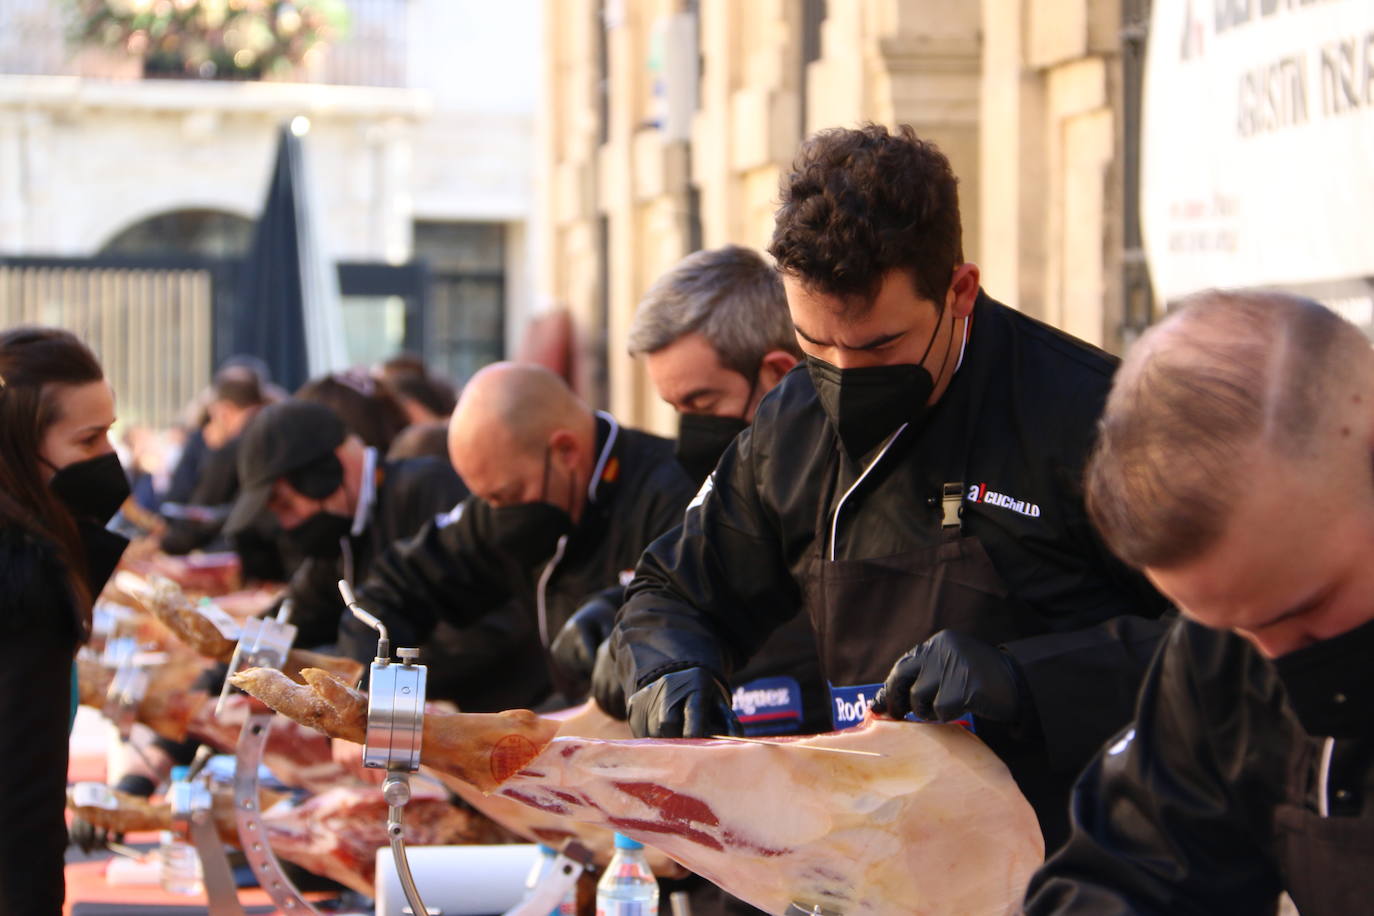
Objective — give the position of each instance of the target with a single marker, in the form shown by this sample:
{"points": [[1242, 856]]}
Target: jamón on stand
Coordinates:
{"points": [[935, 825]]}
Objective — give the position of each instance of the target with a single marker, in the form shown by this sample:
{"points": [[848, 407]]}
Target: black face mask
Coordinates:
{"points": [[702, 439], [320, 535], [92, 489], [867, 405], [1330, 685], [529, 532]]}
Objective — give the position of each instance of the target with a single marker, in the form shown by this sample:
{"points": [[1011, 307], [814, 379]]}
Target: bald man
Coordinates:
{"points": [[1234, 468], [564, 500]]}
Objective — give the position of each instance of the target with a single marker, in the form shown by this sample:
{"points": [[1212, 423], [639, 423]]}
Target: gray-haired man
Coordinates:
{"points": [[716, 336]]}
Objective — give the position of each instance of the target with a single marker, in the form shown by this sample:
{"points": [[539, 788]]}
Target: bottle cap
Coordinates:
{"points": [[179, 774], [546, 850], [624, 842]]}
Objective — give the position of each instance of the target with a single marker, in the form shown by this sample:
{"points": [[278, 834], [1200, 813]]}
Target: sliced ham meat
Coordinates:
{"points": [[540, 826], [203, 573], [335, 834], [935, 825]]}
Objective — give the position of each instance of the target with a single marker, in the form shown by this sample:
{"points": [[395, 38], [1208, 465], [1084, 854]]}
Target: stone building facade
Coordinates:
{"points": [[667, 124], [421, 136]]}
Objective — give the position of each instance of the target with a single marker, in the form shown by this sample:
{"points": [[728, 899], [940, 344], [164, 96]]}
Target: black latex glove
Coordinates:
{"points": [[87, 837], [574, 649], [951, 674], [136, 784], [685, 704], [607, 689]]}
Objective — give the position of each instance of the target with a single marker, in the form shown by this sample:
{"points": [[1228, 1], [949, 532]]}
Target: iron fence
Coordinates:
{"points": [[152, 327]]}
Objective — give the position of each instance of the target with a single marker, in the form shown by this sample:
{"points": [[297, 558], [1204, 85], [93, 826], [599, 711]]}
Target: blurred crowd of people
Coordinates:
{"points": [[185, 476]]}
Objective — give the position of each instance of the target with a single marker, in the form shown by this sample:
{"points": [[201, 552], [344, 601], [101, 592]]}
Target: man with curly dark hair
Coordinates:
{"points": [[915, 484]]}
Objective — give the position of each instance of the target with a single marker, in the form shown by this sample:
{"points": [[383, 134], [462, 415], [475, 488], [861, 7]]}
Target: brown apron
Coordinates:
{"points": [[1322, 858], [868, 613]]}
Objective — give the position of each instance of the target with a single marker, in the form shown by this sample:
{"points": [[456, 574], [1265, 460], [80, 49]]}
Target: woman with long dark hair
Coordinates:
{"points": [[60, 482]]}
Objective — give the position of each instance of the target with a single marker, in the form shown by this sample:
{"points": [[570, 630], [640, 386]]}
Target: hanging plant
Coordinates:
{"points": [[212, 39]]}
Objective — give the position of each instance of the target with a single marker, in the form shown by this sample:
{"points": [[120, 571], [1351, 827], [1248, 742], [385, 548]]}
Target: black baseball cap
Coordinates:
{"points": [[281, 438]]}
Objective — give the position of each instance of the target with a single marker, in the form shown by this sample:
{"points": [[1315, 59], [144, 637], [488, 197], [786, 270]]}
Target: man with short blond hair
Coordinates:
{"points": [[1235, 468]]}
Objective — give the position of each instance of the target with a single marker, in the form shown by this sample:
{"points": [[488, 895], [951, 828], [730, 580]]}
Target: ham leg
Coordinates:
{"points": [[934, 826], [169, 704], [296, 755], [166, 601]]}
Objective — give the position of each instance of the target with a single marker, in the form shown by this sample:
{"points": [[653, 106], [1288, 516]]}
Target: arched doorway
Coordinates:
{"points": [[204, 232]]}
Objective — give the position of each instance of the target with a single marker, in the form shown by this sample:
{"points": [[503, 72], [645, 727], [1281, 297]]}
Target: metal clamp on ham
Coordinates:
{"points": [[263, 643], [191, 815], [129, 684], [395, 727]]}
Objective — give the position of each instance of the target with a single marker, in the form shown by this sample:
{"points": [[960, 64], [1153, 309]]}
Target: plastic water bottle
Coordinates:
{"points": [[628, 887], [542, 868], [178, 861]]}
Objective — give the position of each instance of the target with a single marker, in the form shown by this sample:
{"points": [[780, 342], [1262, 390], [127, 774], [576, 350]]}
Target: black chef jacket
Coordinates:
{"points": [[214, 490], [463, 662], [264, 553], [1014, 426], [39, 634], [1210, 803], [403, 497], [448, 572]]}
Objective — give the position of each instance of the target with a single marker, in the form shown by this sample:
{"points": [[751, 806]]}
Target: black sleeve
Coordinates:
{"points": [[36, 651], [670, 491], [709, 592], [1085, 677], [432, 487], [316, 606], [187, 471], [216, 488], [445, 572], [1084, 683], [1161, 824]]}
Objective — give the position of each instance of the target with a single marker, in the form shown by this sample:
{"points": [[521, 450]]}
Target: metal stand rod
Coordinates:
{"points": [[798, 908], [397, 792], [395, 724], [252, 831], [221, 894]]}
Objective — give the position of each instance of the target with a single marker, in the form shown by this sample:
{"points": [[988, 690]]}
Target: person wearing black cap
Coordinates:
{"points": [[342, 507]]}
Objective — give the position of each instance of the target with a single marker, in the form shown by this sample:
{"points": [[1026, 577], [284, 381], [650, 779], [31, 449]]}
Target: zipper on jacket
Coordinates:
{"points": [[541, 601], [835, 519], [1324, 778]]}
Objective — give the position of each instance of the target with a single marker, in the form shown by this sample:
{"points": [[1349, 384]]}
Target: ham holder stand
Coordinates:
{"points": [[395, 727], [263, 643]]}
